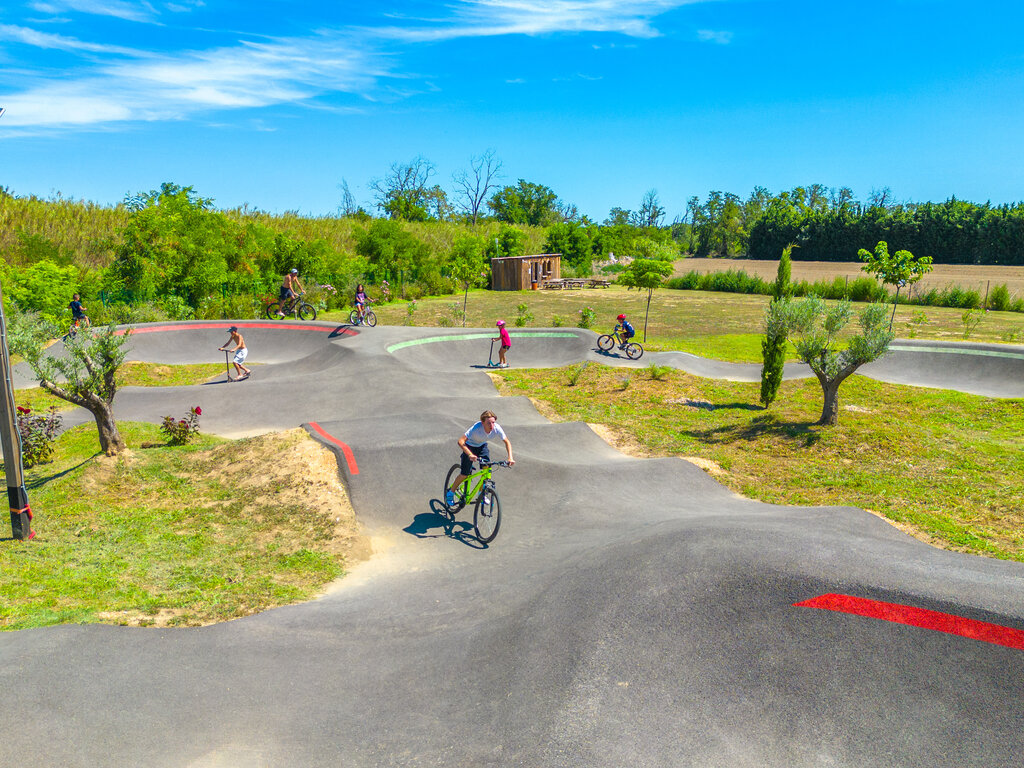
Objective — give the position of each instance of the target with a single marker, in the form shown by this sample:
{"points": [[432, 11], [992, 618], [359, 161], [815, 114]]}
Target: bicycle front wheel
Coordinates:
{"points": [[460, 501], [272, 309], [634, 350], [487, 517], [605, 342], [307, 311], [370, 319]]}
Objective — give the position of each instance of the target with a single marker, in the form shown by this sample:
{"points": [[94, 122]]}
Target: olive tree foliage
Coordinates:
{"points": [[646, 273], [474, 185], [898, 269], [816, 327], [83, 374], [403, 192], [773, 346]]}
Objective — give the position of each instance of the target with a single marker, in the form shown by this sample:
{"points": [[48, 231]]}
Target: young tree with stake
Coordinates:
{"points": [[649, 274]]}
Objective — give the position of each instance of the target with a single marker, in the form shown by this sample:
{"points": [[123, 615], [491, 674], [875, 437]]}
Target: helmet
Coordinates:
{"points": [[621, 317], [500, 323], [294, 272]]}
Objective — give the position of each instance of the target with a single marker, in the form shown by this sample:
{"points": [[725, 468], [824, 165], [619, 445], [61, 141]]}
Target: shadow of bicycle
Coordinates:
{"points": [[438, 523]]}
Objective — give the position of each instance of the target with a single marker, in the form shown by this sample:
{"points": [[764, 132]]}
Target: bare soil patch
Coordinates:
{"points": [[968, 276]]}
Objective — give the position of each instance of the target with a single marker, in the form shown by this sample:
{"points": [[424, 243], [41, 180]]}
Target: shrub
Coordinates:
{"points": [[971, 319], [866, 289], [999, 298], [587, 316], [575, 372], [658, 372], [38, 431], [410, 313], [557, 321], [523, 315], [180, 431]]}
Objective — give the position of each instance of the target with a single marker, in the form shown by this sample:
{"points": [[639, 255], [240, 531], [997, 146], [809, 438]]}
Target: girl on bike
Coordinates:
{"points": [[473, 445], [361, 300]]}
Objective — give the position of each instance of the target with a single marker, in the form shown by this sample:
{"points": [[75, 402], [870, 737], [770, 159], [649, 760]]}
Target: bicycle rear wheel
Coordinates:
{"points": [[272, 309], [487, 516], [634, 351], [307, 311], [460, 501], [370, 319], [353, 318], [605, 342]]}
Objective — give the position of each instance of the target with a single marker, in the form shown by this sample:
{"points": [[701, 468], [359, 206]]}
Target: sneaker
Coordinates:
{"points": [[487, 501], [449, 498], [503, 365]]}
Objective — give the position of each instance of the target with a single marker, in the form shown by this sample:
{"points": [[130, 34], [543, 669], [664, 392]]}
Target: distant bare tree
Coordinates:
{"points": [[651, 211], [880, 198], [473, 186], [348, 205]]}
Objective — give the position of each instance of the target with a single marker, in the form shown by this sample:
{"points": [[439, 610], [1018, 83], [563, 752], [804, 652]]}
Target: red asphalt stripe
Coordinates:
{"points": [[353, 468], [919, 617], [223, 326]]}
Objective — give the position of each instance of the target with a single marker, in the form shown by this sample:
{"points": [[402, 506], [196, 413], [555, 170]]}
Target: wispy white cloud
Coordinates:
{"points": [[120, 9], [119, 83], [60, 42], [714, 36], [161, 87], [485, 18]]}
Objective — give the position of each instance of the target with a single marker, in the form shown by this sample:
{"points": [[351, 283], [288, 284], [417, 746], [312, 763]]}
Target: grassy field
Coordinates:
{"points": [[724, 326], [945, 466]]}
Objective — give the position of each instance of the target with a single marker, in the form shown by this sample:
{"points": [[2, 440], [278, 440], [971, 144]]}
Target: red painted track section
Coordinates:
{"points": [[224, 323], [919, 617], [350, 457]]}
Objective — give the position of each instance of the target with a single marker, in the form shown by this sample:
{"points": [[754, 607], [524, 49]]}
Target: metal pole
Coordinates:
{"points": [[10, 438]]}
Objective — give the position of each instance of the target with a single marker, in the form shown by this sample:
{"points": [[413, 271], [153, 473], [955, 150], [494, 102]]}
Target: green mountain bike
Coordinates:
{"points": [[477, 489]]}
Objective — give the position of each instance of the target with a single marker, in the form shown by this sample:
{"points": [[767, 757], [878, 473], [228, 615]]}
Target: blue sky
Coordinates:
{"points": [[273, 102]]}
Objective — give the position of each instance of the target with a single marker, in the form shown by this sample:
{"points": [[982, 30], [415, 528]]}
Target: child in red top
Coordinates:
{"points": [[506, 342]]}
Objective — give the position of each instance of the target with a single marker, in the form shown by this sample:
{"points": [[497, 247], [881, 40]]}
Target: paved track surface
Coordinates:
{"points": [[630, 612]]}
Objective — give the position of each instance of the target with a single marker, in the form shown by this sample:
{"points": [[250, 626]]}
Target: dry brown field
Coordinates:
{"points": [[967, 276]]}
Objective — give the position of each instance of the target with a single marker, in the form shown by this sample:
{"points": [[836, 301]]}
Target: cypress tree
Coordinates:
{"points": [[773, 347]]}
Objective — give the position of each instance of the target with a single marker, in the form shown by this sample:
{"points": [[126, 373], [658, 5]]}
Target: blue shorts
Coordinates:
{"points": [[480, 451], [286, 293]]}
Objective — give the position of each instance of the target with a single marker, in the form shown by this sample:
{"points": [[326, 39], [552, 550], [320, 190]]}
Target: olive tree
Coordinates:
{"points": [[816, 327], [84, 375]]}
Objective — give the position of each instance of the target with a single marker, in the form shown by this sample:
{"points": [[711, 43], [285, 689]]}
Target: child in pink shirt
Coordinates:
{"points": [[506, 342]]}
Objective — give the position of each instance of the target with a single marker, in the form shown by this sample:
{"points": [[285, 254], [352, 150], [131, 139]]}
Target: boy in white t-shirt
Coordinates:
{"points": [[473, 445]]}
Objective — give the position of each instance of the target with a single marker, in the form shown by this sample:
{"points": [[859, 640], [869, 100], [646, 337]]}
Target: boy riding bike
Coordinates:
{"points": [[625, 331], [78, 316]]}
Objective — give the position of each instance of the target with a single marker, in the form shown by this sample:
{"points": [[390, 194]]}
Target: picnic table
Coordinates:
{"points": [[575, 282]]}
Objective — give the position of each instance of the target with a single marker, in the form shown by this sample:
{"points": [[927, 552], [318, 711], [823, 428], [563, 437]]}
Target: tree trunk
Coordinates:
{"points": [[111, 442], [465, 300], [830, 407], [895, 301], [648, 312]]}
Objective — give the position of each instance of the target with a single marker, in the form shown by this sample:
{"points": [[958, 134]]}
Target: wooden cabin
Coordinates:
{"points": [[520, 273]]}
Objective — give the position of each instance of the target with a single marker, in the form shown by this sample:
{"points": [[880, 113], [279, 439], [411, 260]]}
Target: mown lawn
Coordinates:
{"points": [[946, 466]]}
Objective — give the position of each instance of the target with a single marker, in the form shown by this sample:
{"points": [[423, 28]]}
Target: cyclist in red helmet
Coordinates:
{"points": [[625, 330]]}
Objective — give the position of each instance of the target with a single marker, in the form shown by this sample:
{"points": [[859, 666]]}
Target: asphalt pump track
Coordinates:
{"points": [[630, 612]]}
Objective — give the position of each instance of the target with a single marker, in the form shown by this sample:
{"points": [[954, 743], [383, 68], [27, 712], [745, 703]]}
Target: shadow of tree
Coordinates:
{"points": [[40, 481], [806, 433]]}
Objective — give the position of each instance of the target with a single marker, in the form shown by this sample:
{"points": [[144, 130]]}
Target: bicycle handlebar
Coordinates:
{"points": [[494, 464]]}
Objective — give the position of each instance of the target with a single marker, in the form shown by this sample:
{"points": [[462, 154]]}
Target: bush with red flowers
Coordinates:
{"points": [[180, 431], [37, 431]]}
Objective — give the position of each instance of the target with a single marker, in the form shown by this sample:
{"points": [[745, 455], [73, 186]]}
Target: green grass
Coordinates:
{"points": [[160, 535], [944, 465], [131, 374]]}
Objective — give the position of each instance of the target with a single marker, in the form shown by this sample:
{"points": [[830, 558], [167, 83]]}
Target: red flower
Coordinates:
{"points": [[198, 411], [23, 409]]}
